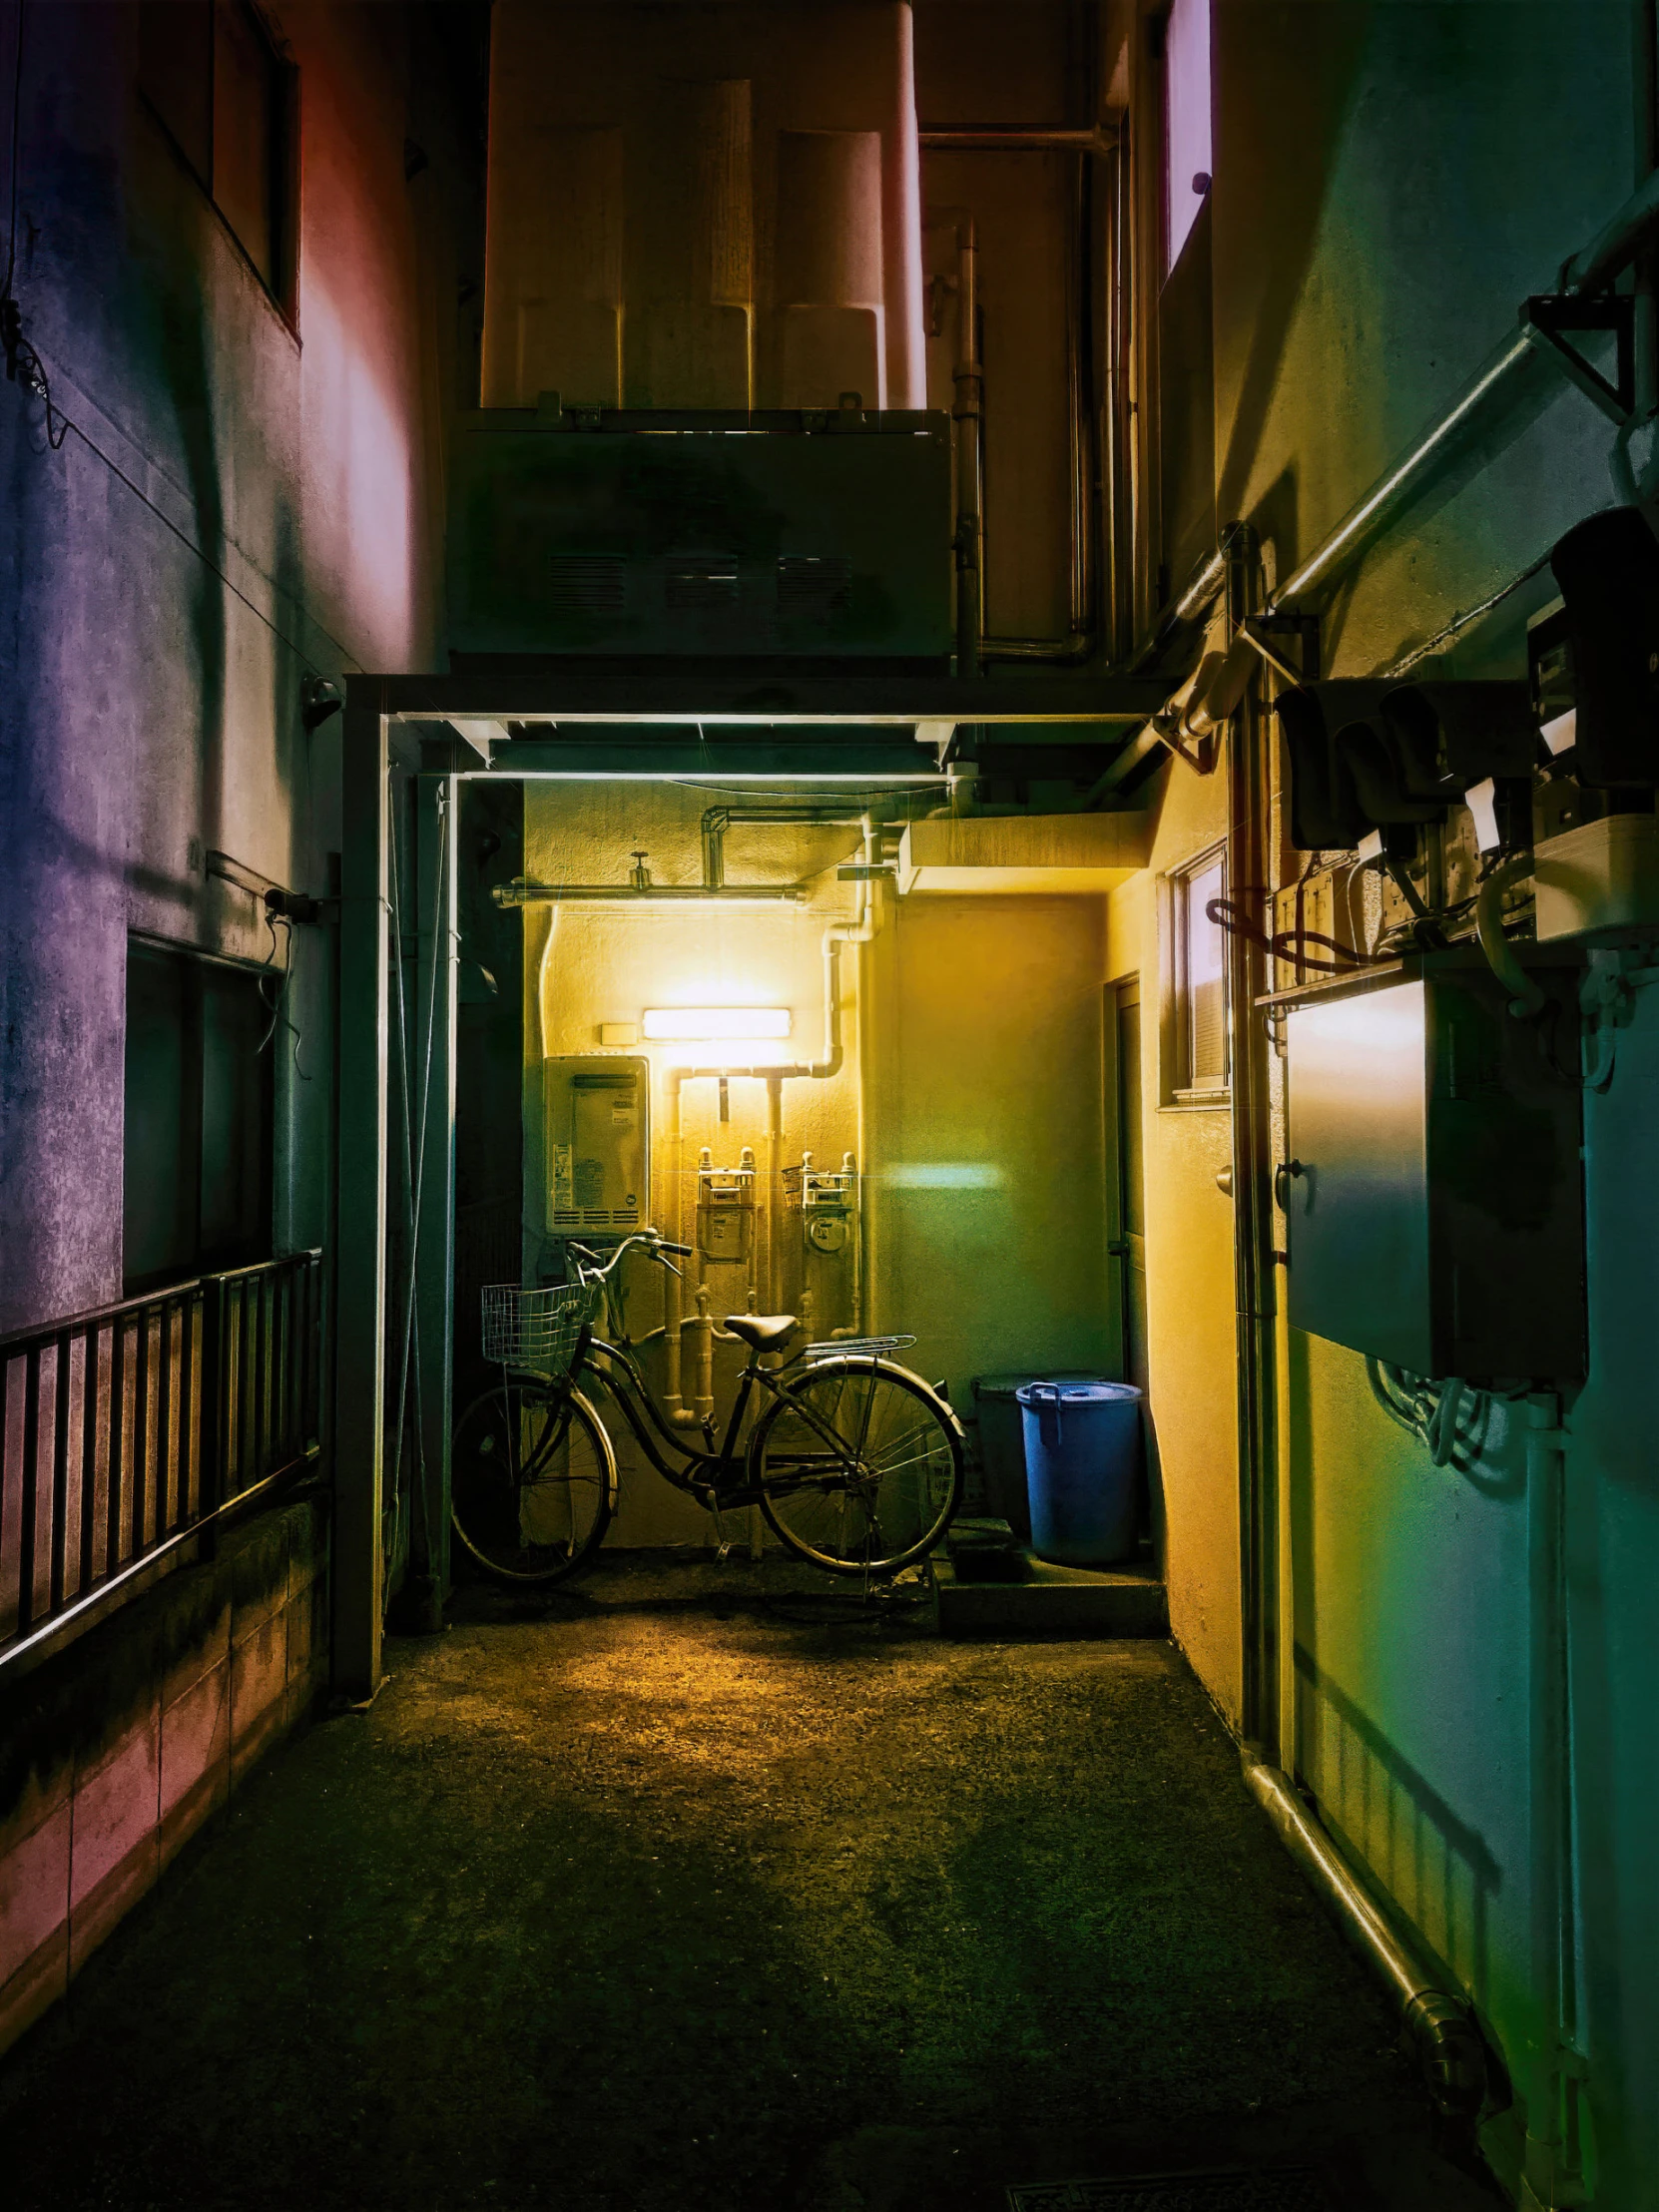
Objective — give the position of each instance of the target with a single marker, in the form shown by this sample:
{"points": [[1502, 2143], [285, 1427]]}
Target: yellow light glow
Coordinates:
{"points": [[706, 1025]]}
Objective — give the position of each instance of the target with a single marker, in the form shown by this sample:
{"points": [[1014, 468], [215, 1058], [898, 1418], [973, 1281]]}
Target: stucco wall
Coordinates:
{"points": [[1189, 1263], [1444, 161], [149, 711]]}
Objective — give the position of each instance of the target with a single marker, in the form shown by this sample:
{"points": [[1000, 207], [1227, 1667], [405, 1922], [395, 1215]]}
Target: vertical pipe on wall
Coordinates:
{"points": [[437, 1000], [673, 1297], [968, 412], [360, 1246], [770, 1295], [1248, 865], [904, 330], [1551, 2172]]}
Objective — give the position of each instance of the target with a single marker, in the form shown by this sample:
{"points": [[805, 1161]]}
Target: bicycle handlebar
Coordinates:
{"points": [[601, 1271]]}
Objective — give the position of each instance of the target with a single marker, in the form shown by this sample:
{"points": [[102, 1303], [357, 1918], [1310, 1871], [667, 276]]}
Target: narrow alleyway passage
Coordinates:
{"points": [[686, 1892]]}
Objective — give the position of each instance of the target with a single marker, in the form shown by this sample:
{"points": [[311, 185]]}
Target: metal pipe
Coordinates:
{"points": [[717, 820], [674, 1305], [1202, 590], [968, 412], [736, 894], [1255, 1299], [1440, 2024], [1095, 141], [1592, 270], [1551, 2158], [1616, 245], [775, 1141], [1497, 371]]}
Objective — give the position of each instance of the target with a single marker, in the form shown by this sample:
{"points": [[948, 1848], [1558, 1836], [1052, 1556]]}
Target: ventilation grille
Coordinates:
{"points": [[701, 583], [811, 588], [596, 1217], [586, 584]]}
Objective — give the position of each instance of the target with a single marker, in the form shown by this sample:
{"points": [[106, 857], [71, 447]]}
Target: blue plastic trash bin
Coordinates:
{"points": [[1082, 1460]]}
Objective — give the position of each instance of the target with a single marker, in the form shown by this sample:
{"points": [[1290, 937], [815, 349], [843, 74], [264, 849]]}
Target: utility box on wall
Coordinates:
{"points": [[1434, 1192], [597, 1125], [743, 535]]}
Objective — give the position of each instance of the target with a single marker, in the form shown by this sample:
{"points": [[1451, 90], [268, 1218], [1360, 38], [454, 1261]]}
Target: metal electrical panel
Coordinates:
{"points": [[1435, 1190], [597, 1122]]}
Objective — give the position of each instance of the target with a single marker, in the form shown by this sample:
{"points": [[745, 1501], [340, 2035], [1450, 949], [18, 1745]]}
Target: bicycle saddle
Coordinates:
{"points": [[760, 1331]]}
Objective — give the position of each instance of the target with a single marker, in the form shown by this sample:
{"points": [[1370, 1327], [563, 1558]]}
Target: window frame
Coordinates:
{"points": [[1177, 1091], [196, 962], [282, 287]]}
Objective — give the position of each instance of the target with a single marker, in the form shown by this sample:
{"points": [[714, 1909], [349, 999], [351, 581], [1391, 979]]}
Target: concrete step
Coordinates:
{"points": [[1128, 1600]]}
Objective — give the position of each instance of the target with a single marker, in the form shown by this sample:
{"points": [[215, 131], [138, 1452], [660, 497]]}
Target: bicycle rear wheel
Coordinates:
{"points": [[860, 1466], [533, 1481]]}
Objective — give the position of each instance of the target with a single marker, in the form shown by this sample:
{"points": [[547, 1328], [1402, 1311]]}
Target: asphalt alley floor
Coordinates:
{"points": [[697, 1890]]}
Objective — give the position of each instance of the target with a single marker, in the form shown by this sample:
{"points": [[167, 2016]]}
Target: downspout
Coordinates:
{"points": [[1439, 2021], [673, 1297], [968, 412], [1551, 2173], [1250, 802]]}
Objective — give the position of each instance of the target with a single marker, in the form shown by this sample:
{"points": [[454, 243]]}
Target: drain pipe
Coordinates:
{"points": [[1453, 2050], [969, 380], [1550, 2174]]}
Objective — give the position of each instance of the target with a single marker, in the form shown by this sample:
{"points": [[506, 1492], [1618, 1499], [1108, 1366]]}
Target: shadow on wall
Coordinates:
{"points": [[1434, 1866], [1286, 202]]}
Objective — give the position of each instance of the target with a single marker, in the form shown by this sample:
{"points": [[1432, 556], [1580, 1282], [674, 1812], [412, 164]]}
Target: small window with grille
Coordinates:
{"points": [[1199, 1071]]}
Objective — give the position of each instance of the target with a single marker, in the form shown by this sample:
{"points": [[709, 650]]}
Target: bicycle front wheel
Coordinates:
{"points": [[860, 1466], [533, 1481]]}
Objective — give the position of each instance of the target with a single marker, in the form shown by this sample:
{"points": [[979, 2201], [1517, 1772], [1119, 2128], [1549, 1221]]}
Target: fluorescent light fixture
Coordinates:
{"points": [[706, 1025]]}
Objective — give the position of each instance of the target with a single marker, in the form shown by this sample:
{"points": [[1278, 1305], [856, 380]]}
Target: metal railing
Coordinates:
{"points": [[127, 1430]]}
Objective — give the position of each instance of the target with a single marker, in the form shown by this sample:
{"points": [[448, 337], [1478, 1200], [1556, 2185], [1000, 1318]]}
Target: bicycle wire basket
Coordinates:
{"points": [[536, 1331]]}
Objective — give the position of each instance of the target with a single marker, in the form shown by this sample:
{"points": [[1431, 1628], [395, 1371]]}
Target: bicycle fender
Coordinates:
{"points": [[850, 1365]]}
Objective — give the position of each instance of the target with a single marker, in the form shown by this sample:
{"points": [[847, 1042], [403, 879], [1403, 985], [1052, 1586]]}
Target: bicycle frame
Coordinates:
{"points": [[717, 1487], [620, 1378]]}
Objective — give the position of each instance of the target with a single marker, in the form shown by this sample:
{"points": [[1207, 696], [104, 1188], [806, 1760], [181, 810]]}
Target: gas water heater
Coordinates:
{"points": [[597, 1123]]}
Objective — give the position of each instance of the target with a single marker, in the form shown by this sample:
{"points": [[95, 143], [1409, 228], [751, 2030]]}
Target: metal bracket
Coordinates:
{"points": [[1546, 315], [1305, 629]]}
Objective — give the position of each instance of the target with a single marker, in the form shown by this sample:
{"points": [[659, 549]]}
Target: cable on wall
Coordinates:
{"points": [[24, 366]]}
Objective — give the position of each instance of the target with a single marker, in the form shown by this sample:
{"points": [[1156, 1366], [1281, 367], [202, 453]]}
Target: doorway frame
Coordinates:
{"points": [[549, 724]]}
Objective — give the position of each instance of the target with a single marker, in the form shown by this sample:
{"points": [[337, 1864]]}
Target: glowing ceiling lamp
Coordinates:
{"points": [[707, 1024]]}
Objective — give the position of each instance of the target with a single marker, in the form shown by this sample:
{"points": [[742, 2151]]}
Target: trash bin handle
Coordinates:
{"points": [[1045, 1397]]}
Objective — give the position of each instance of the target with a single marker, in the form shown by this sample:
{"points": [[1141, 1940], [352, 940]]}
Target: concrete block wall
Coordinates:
{"points": [[117, 1747]]}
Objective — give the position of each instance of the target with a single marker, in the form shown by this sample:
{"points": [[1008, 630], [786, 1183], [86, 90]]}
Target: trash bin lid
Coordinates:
{"points": [[1004, 1386], [1097, 1393]]}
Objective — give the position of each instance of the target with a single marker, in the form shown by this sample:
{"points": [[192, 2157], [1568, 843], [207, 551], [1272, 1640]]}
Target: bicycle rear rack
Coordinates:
{"points": [[857, 1344]]}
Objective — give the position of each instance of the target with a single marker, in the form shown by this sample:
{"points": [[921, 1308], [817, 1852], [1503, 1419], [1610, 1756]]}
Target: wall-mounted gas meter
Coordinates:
{"points": [[726, 1207], [826, 1200], [597, 1123]]}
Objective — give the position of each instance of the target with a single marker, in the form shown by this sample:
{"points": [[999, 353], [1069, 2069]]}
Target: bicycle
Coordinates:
{"points": [[856, 1462]]}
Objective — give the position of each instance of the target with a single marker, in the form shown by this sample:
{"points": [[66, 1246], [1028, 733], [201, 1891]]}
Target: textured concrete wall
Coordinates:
{"points": [[151, 662], [242, 498]]}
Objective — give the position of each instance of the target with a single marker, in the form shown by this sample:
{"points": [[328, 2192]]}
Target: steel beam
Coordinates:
{"points": [[359, 1257]]}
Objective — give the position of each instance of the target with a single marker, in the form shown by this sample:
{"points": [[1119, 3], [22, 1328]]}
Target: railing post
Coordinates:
{"points": [[211, 1494], [436, 1015], [359, 1304]]}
